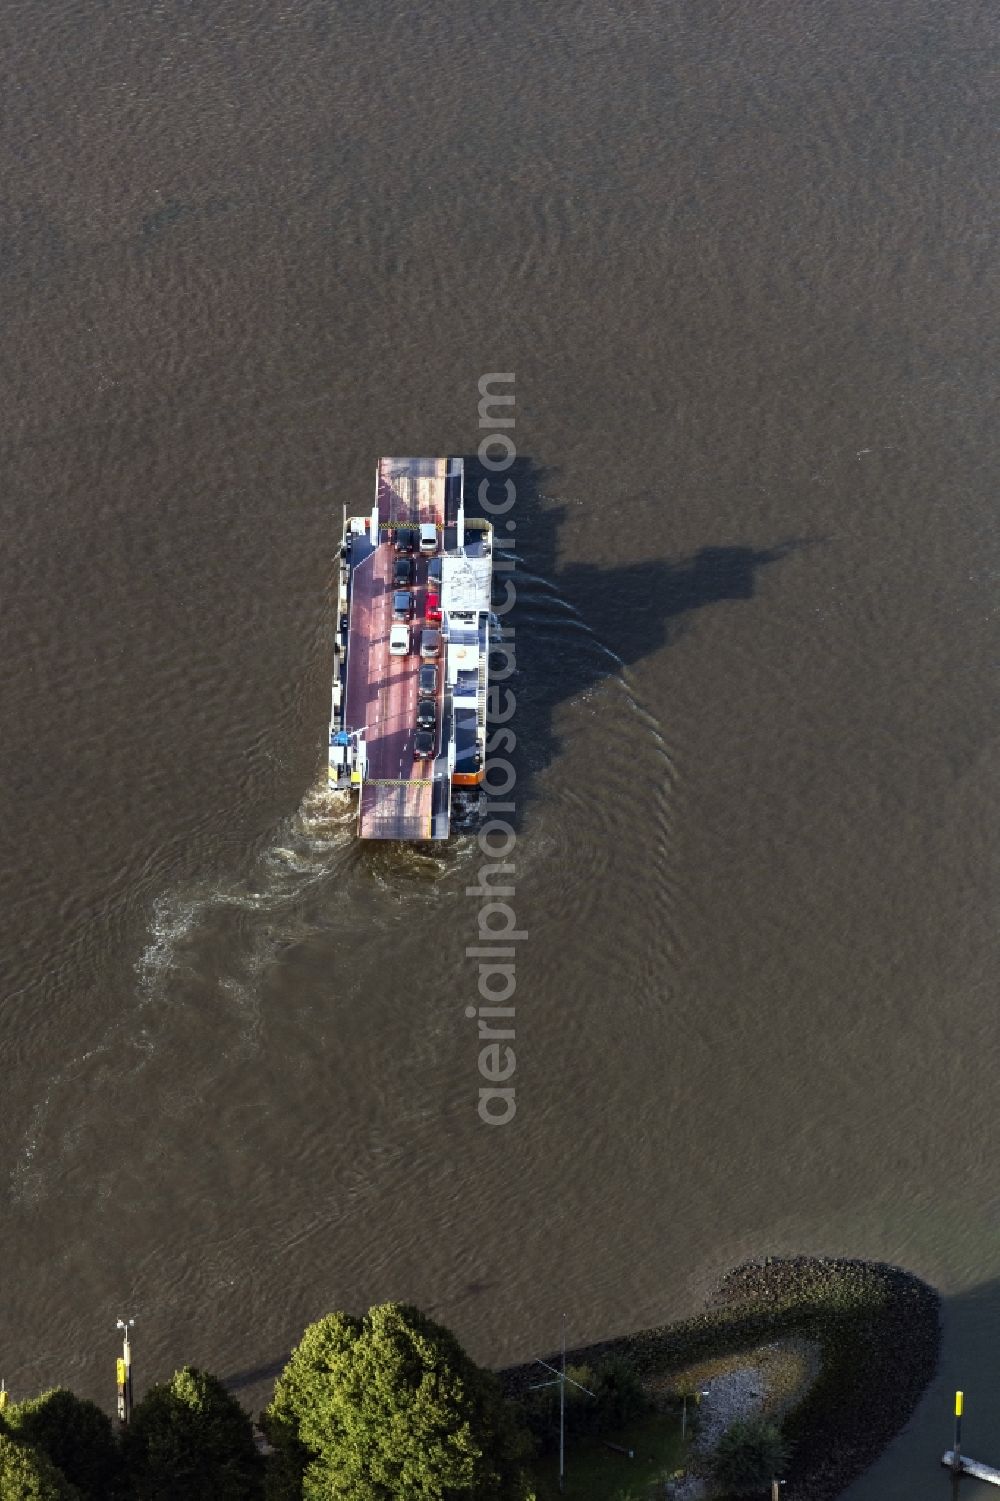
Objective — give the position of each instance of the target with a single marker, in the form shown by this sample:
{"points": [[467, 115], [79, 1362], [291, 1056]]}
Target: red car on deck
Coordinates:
{"points": [[432, 608]]}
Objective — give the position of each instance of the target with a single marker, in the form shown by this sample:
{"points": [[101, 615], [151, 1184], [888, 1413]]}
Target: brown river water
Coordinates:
{"points": [[739, 259]]}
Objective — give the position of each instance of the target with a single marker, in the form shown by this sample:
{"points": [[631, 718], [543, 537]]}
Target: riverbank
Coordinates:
{"points": [[877, 1329]]}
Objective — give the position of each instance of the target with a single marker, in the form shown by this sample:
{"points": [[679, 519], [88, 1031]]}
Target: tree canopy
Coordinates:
{"points": [[26, 1475], [748, 1455], [612, 1397], [188, 1437], [75, 1435], [391, 1405]]}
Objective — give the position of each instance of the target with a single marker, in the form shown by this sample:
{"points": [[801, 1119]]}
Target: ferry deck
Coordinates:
{"points": [[375, 693]]}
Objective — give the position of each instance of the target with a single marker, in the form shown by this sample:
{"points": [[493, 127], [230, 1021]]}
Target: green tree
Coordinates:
{"points": [[620, 1396], [541, 1405], [748, 1455], [76, 1436], [29, 1476], [613, 1397], [390, 1405], [189, 1438]]}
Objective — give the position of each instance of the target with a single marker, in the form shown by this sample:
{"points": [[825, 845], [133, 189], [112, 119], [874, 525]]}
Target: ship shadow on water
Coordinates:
{"points": [[575, 625]]}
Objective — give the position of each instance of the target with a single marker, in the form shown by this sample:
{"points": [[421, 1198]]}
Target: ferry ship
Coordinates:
{"points": [[411, 654]]}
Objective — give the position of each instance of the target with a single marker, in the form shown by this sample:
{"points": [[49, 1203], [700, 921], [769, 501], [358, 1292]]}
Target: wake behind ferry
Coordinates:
{"points": [[411, 654]]}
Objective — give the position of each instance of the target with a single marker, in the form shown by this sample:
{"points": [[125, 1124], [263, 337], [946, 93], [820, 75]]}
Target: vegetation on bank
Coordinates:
{"points": [[619, 1437], [26, 1475], [74, 1436], [596, 1471], [188, 1437], [878, 1329], [748, 1456], [189, 1440], [390, 1406]]}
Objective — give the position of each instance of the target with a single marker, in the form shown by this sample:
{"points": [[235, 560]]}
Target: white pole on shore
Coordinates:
{"points": [[562, 1410], [684, 1408], [561, 1379]]}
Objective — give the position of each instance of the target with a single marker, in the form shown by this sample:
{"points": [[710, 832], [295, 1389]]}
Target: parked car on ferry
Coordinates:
{"points": [[402, 604], [430, 643], [403, 539], [428, 537], [423, 745], [402, 571], [427, 714], [427, 680], [399, 641], [432, 606], [434, 572]]}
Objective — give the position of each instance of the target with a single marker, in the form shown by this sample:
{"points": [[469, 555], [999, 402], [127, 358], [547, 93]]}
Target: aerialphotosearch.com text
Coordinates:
{"points": [[497, 931]]}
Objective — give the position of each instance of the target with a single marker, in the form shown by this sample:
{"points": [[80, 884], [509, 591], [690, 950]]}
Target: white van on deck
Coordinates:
{"points": [[399, 640], [428, 537]]}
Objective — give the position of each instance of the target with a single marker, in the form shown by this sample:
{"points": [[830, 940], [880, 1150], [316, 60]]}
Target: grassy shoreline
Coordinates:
{"points": [[879, 1331]]}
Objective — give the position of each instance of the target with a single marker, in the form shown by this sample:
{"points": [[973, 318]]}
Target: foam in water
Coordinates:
{"points": [[305, 851]]}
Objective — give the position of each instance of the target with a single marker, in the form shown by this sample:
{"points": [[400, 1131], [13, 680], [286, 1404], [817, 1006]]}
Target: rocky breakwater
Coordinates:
{"points": [[878, 1331]]}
